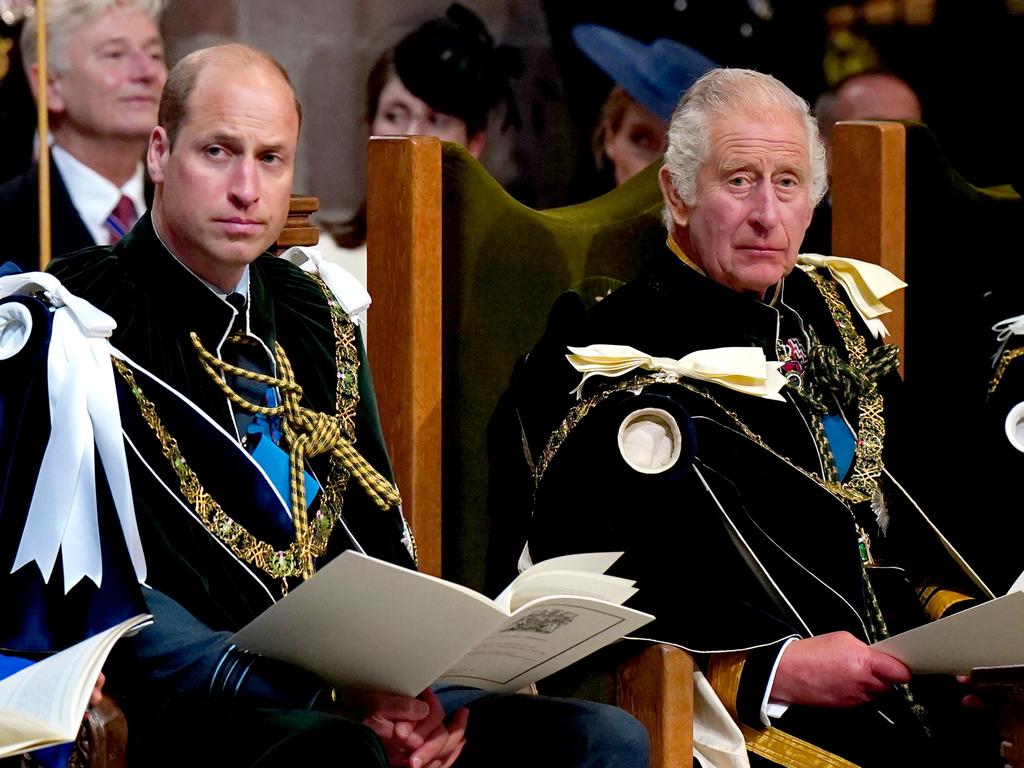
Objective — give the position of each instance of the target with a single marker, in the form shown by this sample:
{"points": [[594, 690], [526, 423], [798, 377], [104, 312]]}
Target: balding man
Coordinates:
{"points": [[192, 289], [106, 69]]}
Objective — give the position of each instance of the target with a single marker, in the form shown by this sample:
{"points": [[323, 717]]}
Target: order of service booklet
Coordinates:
{"points": [[367, 624], [985, 635], [42, 704]]}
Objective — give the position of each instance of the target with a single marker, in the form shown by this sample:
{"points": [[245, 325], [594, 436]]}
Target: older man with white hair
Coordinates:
{"points": [[736, 432], [105, 61]]}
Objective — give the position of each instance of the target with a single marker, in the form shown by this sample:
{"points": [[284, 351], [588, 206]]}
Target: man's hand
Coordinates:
{"points": [[834, 670], [97, 691], [412, 730]]}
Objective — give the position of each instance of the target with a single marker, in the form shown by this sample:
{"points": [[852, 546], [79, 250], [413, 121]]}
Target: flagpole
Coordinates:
{"points": [[43, 129]]}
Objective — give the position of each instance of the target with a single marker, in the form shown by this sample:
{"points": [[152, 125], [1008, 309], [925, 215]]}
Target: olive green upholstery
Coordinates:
{"points": [[504, 265]]}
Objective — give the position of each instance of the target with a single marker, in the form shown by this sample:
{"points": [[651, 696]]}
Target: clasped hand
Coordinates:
{"points": [[412, 731]]}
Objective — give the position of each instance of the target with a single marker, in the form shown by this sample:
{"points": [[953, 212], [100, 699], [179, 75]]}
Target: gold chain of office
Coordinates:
{"points": [[306, 433], [867, 465]]}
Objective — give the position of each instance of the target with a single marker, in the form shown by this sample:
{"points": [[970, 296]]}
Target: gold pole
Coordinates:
{"points": [[43, 129]]}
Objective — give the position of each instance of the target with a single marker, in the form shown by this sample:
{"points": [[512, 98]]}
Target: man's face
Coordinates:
{"points": [[111, 88], [636, 144], [753, 201], [399, 113], [223, 189]]}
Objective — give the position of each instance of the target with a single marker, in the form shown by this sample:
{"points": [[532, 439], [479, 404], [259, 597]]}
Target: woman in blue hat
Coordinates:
{"points": [[649, 79]]}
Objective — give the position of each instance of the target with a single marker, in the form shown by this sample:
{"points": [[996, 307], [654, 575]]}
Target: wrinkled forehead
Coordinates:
{"points": [[774, 135]]}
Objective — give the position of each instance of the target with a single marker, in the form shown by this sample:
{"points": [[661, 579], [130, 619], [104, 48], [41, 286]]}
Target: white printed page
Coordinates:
{"points": [[986, 635], [612, 589], [43, 703], [585, 562], [542, 638], [365, 623]]}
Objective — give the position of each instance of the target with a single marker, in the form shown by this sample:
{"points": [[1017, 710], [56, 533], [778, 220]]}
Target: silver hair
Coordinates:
{"points": [[731, 92], [65, 16]]}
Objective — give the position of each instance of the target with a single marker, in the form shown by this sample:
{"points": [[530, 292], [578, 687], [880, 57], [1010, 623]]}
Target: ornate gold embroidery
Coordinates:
{"points": [[784, 749], [724, 673], [867, 461], [871, 427], [1005, 359], [311, 541]]}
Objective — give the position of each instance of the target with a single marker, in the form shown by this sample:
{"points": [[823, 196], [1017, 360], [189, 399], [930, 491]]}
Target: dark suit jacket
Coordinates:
{"points": [[19, 217]]}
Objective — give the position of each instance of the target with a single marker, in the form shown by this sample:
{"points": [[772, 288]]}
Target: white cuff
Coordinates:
{"points": [[769, 708]]}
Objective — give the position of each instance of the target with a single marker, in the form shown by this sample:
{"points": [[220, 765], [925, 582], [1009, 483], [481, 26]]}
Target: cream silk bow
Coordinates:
{"points": [[84, 420], [744, 369], [346, 288], [865, 283]]}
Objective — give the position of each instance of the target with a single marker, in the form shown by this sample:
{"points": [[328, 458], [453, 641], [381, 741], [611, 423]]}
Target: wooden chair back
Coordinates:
{"points": [[462, 277]]}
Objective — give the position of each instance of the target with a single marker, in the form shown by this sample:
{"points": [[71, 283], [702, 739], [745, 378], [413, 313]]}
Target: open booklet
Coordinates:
{"points": [[364, 623], [985, 635], [42, 705]]}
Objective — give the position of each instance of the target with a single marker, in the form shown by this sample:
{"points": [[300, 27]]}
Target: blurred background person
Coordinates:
{"points": [[443, 79], [649, 79], [874, 94], [105, 72]]}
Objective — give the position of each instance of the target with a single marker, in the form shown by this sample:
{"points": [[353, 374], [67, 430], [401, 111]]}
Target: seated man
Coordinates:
{"points": [[190, 292], [107, 67], [762, 514]]}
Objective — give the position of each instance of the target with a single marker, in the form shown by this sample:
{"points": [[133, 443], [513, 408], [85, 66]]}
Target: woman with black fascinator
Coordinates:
{"points": [[443, 79]]}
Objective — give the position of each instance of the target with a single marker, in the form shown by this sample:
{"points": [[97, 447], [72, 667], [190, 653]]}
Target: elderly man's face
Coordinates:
{"points": [[223, 189], [753, 201], [111, 88]]}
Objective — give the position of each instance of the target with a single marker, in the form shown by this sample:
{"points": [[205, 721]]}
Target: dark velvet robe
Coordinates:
{"points": [[735, 547], [19, 217]]}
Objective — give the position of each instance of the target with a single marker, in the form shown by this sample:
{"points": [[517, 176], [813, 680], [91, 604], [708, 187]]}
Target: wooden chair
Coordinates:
{"points": [[462, 278]]}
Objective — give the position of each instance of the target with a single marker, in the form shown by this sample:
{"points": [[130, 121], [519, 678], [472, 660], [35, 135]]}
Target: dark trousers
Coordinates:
{"points": [[200, 734], [545, 732]]}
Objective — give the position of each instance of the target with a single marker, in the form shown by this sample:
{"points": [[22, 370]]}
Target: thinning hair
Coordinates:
{"points": [[64, 17], [182, 78], [731, 92]]}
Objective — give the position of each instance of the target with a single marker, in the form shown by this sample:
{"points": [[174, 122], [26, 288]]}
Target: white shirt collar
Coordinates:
{"points": [[94, 196]]}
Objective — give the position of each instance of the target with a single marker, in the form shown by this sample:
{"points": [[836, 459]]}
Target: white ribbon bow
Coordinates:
{"points": [[84, 419], [1011, 326], [865, 283], [744, 369], [345, 286]]}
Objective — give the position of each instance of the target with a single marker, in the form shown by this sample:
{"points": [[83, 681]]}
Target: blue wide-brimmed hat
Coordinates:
{"points": [[656, 75]]}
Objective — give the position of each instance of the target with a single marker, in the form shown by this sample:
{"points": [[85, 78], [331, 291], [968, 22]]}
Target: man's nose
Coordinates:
{"points": [[145, 67], [244, 187], [764, 209]]}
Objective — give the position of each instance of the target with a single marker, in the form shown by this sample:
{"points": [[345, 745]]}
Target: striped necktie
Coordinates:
{"points": [[121, 219]]}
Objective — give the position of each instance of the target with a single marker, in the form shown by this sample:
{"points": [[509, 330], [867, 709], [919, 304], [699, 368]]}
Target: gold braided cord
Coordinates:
{"points": [[1005, 359], [305, 432], [312, 536], [280, 564]]}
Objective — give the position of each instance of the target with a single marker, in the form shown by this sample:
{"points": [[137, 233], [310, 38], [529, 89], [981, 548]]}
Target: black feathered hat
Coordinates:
{"points": [[453, 64]]}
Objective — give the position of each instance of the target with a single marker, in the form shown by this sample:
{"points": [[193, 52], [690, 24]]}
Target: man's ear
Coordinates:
{"points": [[54, 89], [679, 211], [157, 154]]}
